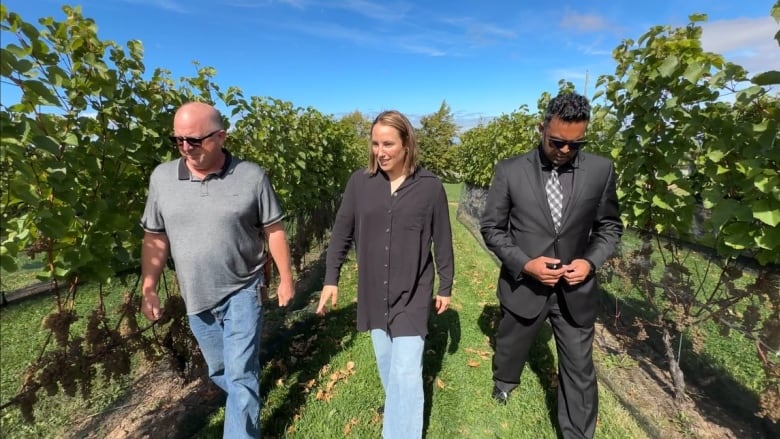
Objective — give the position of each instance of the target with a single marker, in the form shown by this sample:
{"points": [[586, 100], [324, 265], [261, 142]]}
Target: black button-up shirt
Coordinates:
{"points": [[393, 235]]}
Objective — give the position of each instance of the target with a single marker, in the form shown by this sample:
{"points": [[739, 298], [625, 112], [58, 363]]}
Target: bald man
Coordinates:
{"points": [[218, 217]]}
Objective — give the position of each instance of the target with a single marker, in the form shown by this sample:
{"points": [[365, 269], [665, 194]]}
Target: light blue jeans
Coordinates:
{"points": [[229, 338], [400, 363]]}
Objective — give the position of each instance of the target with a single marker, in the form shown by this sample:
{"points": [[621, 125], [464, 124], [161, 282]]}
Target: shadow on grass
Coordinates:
{"points": [[701, 370], [443, 336], [304, 349], [541, 360], [297, 343]]}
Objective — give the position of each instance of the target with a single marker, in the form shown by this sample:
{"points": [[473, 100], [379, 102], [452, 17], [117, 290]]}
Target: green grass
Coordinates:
{"points": [[453, 191], [24, 276]]}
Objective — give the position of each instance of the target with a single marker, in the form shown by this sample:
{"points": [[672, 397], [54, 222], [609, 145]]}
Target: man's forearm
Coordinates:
{"points": [[280, 251], [154, 252]]}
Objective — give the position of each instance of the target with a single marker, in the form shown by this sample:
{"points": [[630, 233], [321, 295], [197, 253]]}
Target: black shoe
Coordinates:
{"points": [[380, 410], [499, 395]]}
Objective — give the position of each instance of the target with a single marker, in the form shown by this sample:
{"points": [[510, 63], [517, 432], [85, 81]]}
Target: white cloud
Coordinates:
{"points": [[374, 10], [422, 50], [727, 35], [297, 4], [168, 5], [467, 120], [749, 42], [481, 32], [584, 22], [334, 31]]}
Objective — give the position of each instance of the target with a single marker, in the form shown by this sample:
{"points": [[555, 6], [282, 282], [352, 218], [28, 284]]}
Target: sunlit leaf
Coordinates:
{"points": [[767, 212], [669, 66], [660, 202]]}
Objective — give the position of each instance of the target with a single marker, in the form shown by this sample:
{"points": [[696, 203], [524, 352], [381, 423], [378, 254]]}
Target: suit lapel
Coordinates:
{"points": [[537, 185], [580, 177]]}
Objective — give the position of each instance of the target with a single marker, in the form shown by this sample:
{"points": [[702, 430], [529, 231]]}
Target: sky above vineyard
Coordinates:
{"points": [[485, 58]]}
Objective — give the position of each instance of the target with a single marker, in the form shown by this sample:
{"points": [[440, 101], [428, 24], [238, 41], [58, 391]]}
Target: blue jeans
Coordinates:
{"points": [[399, 360], [229, 338]]}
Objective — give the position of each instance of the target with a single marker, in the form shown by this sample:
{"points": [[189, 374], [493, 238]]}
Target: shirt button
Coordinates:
{"points": [[385, 265], [385, 282], [395, 194], [389, 210], [387, 248], [387, 230]]}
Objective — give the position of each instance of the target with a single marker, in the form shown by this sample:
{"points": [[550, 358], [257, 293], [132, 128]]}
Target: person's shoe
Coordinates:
{"points": [[380, 410], [499, 395]]}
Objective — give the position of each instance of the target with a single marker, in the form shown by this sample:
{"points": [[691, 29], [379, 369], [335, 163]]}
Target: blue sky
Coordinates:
{"points": [[484, 58]]}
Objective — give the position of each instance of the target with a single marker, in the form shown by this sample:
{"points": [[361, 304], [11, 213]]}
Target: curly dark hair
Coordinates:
{"points": [[568, 107]]}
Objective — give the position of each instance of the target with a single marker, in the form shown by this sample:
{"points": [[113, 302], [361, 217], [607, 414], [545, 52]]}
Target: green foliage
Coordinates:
{"points": [[77, 151], [696, 167], [77, 145], [436, 140], [359, 124], [309, 158], [684, 147], [503, 137], [358, 131], [485, 145]]}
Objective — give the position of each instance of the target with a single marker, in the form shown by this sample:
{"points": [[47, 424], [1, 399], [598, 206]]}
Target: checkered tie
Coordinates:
{"points": [[555, 198]]}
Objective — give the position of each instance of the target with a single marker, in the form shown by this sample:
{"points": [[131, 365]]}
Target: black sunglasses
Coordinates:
{"points": [[573, 144], [193, 141]]}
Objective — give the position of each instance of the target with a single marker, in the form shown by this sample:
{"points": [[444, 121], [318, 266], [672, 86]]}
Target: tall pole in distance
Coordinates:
{"points": [[585, 92]]}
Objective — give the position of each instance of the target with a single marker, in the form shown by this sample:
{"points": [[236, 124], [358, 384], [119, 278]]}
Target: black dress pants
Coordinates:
{"points": [[577, 388]]}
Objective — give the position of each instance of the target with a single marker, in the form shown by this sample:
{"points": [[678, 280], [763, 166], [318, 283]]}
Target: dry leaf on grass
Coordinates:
{"points": [[485, 355], [326, 393], [348, 427]]}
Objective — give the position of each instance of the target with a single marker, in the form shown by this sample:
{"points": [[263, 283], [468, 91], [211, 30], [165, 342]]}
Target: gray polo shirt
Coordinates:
{"points": [[214, 226]]}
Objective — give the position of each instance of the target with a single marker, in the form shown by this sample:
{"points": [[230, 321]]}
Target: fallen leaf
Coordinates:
{"points": [[348, 427]]}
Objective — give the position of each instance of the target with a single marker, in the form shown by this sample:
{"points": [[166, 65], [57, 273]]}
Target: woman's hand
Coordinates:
{"points": [[329, 292]]}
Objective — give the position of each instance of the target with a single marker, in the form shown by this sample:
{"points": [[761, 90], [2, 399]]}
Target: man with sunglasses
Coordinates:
{"points": [[219, 218], [551, 217]]}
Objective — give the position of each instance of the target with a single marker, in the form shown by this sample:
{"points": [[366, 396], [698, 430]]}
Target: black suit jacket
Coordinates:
{"points": [[517, 226]]}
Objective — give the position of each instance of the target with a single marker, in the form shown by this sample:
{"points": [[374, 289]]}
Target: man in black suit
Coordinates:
{"points": [[552, 219]]}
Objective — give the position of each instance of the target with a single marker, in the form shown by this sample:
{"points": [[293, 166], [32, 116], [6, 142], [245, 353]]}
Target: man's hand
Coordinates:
{"points": [[442, 304], [150, 306], [538, 269], [285, 292], [576, 272], [329, 292]]}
